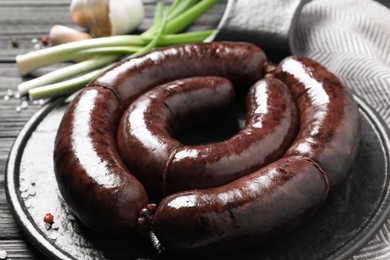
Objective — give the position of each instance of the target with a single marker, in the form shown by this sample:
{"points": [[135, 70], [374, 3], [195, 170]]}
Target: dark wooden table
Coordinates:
{"points": [[23, 21]]}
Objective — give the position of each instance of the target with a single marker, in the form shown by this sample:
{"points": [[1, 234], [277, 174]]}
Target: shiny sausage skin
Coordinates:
{"points": [[146, 129], [251, 210], [90, 175], [259, 206], [329, 117], [145, 132], [271, 126], [102, 194], [241, 63]]}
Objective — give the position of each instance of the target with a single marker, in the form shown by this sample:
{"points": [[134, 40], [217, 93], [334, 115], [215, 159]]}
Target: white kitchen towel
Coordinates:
{"points": [[268, 24], [352, 39]]}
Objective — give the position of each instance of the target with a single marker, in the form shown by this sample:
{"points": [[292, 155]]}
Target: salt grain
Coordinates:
{"points": [[3, 254], [24, 195], [41, 102], [23, 187], [27, 204], [6, 97], [10, 92], [53, 236], [70, 217], [17, 95], [24, 104], [55, 226], [31, 192], [47, 226], [18, 109]]}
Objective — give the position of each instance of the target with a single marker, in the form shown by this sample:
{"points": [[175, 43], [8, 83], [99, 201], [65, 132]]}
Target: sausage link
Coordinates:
{"points": [[266, 203], [271, 126], [251, 210], [92, 177], [241, 63], [145, 132], [329, 118]]}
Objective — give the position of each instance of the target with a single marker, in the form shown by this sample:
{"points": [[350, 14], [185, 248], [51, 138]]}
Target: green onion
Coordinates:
{"points": [[182, 38], [181, 6], [69, 86], [158, 14], [64, 87], [185, 18], [176, 9], [45, 57], [107, 50], [66, 72], [168, 21]]}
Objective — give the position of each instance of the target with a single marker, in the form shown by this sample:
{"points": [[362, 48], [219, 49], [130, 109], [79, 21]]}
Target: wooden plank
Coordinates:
{"points": [[21, 3], [9, 229], [19, 249]]}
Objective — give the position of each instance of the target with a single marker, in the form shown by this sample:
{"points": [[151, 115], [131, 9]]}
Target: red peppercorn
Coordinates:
{"points": [[44, 40], [48, 218]]}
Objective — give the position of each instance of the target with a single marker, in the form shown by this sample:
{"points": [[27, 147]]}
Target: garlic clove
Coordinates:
{"points": [[92, 14], [60, 34], [125, 16], [107, 17]]}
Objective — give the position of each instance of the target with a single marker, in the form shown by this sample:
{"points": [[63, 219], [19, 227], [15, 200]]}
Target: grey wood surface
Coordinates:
{"points": [[24, 20]]}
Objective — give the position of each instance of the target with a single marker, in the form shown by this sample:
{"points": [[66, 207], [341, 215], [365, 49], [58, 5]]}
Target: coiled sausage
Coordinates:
{"points": [[329, 117], [270, 127], [89, 171], [145, 132], [166, 165], [248, 211], [268, 202]]}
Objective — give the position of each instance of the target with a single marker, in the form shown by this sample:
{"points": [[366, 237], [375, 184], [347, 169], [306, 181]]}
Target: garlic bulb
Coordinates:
{"points": [[107, 17]]}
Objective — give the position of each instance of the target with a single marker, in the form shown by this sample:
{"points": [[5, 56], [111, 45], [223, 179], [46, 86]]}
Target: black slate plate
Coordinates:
{"points": [[350, 217]]}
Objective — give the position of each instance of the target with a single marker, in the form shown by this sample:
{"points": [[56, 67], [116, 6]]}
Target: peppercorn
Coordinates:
{"points": [[48, 218]]}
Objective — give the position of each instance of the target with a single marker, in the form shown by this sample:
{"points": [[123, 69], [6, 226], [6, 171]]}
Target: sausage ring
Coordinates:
{"points": [[258, 202], [167, 166], [276, 198], [91, 175]]}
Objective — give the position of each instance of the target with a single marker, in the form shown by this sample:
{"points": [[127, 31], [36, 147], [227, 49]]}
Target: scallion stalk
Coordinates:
{"points": [[66, 72], [41, 58], [69, 86], [101, 51], [182, 6], [158, 14], [182, 38], [175, 9], [64, 87], [185, 18]]}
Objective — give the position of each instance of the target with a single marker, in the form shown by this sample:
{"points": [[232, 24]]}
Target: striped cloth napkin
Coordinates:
{"points": [[349, 37], [352, 39]]}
